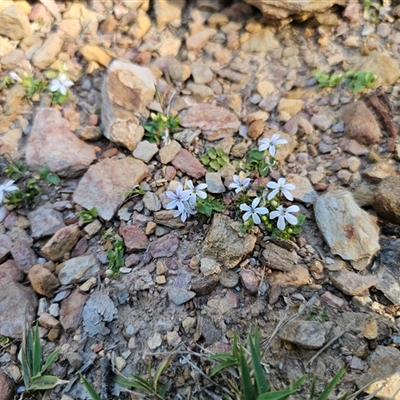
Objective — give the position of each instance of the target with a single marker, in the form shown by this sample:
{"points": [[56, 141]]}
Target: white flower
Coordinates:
{"points": [[178, 199], [253, 211], [197, 191], [271, 144], [14, 76], [281, 187], [7, 186], [283, 215], [239, 184], [189, 208], [61, 84]]}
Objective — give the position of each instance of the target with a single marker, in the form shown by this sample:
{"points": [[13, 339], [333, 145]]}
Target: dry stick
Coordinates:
{"points": [[387, 120]]}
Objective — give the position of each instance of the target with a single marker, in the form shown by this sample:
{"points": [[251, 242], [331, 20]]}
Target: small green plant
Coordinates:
{"points": [[4, 340], [214, 159], [93, 394], [46, 175], [326, 80], [259, 161], [33, 365], [208, 205], [151, 385], [115, 257], [159, 126], [6, 81], [33, 85], [15, 170], [136, 191], [89, 215], [360, 80], [318, 316]]}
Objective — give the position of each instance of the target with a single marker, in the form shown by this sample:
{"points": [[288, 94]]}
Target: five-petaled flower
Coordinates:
{"points": [[14, 76], [239, 184], [270, 144], [61, 84], [253, 211], [189, 208], [197, 191], [7, 186], [281, 187], [283, 215], [178, 199]]}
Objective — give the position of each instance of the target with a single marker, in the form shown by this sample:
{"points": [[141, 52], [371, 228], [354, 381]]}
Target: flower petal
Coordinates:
{"points": [[281, 182], [262, 210], [272, 185], [54, 85], [274, 214], [202, 195], [171, 205], [190, 185], [293, 209], [281, 223], [63, 90], [202, 186], [291, 219], [255, 203], [273, 194], [287, 194], [256, 219], [245, 207], [272, 150], [246, 215]]}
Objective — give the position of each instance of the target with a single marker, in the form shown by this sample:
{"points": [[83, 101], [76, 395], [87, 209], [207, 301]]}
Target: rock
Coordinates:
{"points": [[352, 147], [261, 42], [24, 255], [304, 190], [42, 280], [62, 242], [279, 258], [71, 311], [169, 152], [179, 72], [180, 296], [199, 40], [134, 238], [45, 221], [188, 164], [202, 74], [351, 283], [9, 272], [214, 183], [386, 203], [384, 67], [290, 107], [6, 387], [14, 23], [348, 230], [225, 244], [168, 11], [166, 218], [78, 269], [151, 201], [360, 124], [155, 341], [48, 321], [256, 129], [288, 10], [126, 91], [173, 339], [383, 371], [95, 53], [332, 300], [18, 305], [370, 331], [297, 276], [379, 171], [249, 281], [215, 122], [145, 151], [5, 245], [49, 138], [209, 266], [203, 286], [141, 26], [305, 334], [165, 246], [228, 279], [48, 52], [105, 184], [200, 92]]}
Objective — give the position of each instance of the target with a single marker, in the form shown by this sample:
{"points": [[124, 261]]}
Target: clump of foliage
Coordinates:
{"points": [[214, 159], [115, 257], [159, 126], [89, 215], [326, 80]]}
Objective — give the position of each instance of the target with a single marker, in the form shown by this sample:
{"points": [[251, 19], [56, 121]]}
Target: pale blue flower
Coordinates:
{"points": [[7, 186], [178, 198], [61, 84], [281, 187], [270, 144], [239, 184], [197, 191], [189, 208], [284, 215], [253, 211]]}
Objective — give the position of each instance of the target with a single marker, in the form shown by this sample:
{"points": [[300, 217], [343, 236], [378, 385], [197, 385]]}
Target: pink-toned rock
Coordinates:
{"points": [[360, 124], [297, 276], [249, 281], [9, 272], [14, 23], [165, 246], [5, 245], [43, 281], [105, 184], [62, 242], [352, 147], [352, 12], [215, 122], [52, 143], [199, 40], [188, 164], [48, 321], [6, 387], [23, 255], [351, 283], [80, 248], [134, 238], [71, 311], [332, 300]]}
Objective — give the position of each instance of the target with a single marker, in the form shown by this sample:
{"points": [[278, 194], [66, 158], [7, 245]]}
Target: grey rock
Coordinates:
{"points": [[145, 151], [180, 296], [225, 244], [202, 73], [279, 258], [71, 311], [151, 201], [165, 246], [351, 283], [249, 281], [306, 334], [348, 230], [14, 23], [45, 221], [78, 269], [204, 285], [229, 279], [6, 387], [24, 255], [379, 171], [5, 245], [386, 200], [214, 182], [304, 191], [105, 184]]}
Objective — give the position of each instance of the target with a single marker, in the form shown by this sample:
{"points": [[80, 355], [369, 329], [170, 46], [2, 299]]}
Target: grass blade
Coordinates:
{"points": [[161, 369], [248, 388], [222, 366], [93, 394], [262, 384], [36, 353], [50, 359], [331, 385]]}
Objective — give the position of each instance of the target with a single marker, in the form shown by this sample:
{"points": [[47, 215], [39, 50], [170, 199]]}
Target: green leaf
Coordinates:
{"points": [[262, 384], [214, 165], [204, 159], [53, 179], [163, 391], [93, 394], [331, 385], [50, 359], [221, 357], [161, 369], [223, 365], [285, 393], [248, 388], [212, 153], [36, 353], [45, 382], [134, 383]]}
